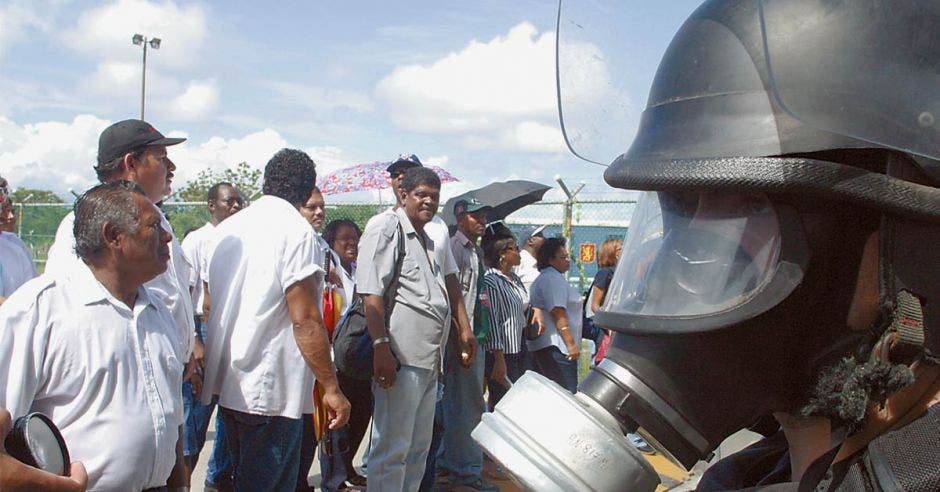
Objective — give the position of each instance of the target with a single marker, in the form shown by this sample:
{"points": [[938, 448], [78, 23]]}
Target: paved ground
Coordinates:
{"points": [[674, 478]]}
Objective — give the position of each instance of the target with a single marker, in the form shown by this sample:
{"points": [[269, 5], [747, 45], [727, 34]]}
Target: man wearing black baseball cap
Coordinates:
{"points": [[396, 171], [133, 150]]}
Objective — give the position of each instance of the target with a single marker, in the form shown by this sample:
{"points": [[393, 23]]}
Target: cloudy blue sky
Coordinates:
{"points": [[469, 86]]}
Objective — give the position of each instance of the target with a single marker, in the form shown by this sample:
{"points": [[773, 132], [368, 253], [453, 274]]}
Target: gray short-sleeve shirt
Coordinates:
{"points": [[421, 313]]}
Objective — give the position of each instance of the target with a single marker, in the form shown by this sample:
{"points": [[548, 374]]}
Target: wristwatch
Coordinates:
{"points": [[379, 340]]}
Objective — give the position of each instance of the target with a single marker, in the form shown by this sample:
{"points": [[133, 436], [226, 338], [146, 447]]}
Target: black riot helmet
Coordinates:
{"points": [[771, 168], [785, 146]]}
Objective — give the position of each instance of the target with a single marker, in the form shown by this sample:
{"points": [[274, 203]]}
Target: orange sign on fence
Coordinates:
{"points": [[588, 253]]}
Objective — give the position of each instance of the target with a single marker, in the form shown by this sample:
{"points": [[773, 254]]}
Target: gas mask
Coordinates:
{"points": [[768, 165], [724, 307]]}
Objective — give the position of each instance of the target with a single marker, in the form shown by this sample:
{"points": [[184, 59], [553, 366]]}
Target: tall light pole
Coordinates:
{"points": [[141, 40]]}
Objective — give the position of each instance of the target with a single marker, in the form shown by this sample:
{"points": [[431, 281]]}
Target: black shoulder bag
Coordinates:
{"points": [[352, 345]]}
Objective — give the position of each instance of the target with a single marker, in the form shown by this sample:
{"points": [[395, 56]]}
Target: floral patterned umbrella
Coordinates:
{"points": [[371, 176]]}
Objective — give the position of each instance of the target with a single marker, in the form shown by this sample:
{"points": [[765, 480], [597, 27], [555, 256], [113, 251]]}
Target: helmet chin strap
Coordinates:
{"points": [[846, 390]]}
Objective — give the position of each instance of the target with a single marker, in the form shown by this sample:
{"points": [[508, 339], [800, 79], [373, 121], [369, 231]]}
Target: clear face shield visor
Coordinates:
{"points": [[695, 255]]}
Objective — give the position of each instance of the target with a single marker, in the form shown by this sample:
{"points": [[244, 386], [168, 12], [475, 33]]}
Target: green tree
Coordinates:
{"points": [[38, 196], [243, 176]]}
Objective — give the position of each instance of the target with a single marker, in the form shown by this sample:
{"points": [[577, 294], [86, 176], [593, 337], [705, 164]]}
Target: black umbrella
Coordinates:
{"points": [[505, 197]]}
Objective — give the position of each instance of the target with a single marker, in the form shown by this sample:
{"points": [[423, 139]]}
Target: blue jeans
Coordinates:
{"points": [[430, 468], [462, 405], [195, 424], [265, 450], [196, 417], [401, 430], [553, 364]]}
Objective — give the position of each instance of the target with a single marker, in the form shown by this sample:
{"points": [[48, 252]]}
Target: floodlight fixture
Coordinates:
{"points": [[142, 41]]}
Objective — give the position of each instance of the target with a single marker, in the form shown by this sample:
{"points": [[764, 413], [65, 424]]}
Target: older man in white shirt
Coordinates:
{"points": [[97, 352], [265, 331]]}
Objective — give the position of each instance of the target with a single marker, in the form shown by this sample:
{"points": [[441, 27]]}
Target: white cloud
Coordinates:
{"points": [[200, 100], [328, 158], [219, 153], [51, 155], [58, 156], [499, 93], [105, 32]]}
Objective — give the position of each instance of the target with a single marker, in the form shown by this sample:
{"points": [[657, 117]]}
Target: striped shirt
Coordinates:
{"points": [[508, 303]]}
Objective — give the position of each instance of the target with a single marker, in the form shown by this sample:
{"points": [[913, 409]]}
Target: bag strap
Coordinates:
{"points": [[392, 290]]}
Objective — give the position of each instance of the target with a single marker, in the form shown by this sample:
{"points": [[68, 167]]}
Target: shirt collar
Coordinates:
{"points": [[463, 239], [91, 291], [406, 224]]}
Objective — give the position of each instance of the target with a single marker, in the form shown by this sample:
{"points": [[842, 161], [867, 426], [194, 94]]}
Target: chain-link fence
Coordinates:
{"points": [[592, 222]]}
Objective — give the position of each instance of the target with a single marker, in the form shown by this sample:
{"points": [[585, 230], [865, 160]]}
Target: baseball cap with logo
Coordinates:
{"points": [[468, 206], [124, 136], [403, 163]]}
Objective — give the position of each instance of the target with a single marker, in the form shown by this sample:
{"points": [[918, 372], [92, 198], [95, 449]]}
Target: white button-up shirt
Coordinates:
{"points": [[172, 286], [252, 359], [107, 375], [16, 264], [195, 246]]}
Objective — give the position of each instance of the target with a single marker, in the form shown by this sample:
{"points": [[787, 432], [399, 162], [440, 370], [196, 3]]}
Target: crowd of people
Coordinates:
{"points": [[131, 339]]}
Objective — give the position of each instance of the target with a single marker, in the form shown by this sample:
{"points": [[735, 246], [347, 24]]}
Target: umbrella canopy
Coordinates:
{"points": [[371, 176], [504, 196]]}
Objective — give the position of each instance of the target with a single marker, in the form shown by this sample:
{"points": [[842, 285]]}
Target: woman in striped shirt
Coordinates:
{"points": [[505, 350]]}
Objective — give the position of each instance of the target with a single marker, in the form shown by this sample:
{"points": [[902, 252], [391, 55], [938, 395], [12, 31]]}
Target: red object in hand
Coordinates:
{"points": [[329, 316]]}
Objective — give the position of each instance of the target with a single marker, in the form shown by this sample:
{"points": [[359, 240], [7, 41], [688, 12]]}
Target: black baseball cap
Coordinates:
{"points": [[124, 136], [402, 163]]}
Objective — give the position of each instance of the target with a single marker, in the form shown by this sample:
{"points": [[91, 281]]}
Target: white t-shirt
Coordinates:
{"points": [[252, 360], [16, 264], [551, 290], [526, 271], [171, 286], [107, 375], [194, 247]]}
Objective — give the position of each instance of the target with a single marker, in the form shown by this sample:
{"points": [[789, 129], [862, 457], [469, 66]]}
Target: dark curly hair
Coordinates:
{"points": [[291, 174], [549, 248]]}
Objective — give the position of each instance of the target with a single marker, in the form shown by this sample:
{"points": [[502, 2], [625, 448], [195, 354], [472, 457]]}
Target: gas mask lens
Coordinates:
{"points": [[695, 254]]}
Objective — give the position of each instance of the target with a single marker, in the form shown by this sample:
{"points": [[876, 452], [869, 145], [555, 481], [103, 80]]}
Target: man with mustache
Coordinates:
{"points": [[133, 150]]}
